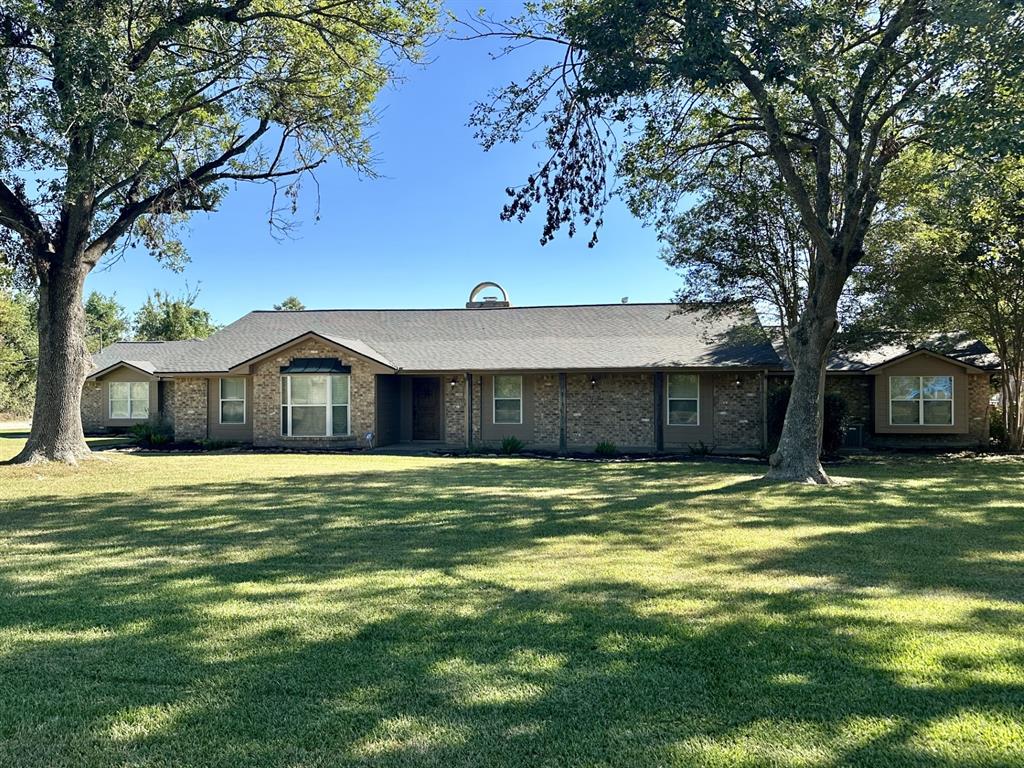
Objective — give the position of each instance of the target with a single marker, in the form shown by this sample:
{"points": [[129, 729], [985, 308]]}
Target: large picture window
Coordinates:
{"points": [[232, 401], [684, 399], [508, 399], [315, 405], [129, 399], [921, 400]]}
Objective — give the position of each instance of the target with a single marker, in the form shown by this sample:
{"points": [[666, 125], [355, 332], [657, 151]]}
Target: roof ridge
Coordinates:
{"points": [[696, 304]]}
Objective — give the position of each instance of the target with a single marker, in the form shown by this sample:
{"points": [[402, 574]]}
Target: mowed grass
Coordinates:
{"points": [[306, 610]]}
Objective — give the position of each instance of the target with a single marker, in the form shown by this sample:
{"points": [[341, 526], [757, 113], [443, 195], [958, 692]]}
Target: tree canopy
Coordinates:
{"points": [[118, 120], [169, 318], [106, 321], [666, 93], [291, 303]]}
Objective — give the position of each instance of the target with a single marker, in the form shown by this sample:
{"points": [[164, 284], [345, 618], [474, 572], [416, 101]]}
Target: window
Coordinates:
{"points": [[129, 399], [232, 401], [684, 399], [314, 405], [508, 399], [921, 400]]}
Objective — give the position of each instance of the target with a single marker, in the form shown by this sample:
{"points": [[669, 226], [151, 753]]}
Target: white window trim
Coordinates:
{"points": [[110, 401], [222, 399], [495, 399], [668, 402], [286, 383], [921, 401]]}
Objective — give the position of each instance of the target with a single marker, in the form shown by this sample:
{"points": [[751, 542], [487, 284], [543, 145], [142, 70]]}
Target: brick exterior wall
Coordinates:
{"points": [[738, 417], [92, 407], [979, 393], [266, 394], [190, 406], [546, 419], [454, 410], [619, 409], [168, 404]]}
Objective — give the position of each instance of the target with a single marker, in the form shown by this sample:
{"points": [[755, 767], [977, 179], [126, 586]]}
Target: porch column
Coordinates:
{"points": [[562, 421], [659, 409], [469, 411]]}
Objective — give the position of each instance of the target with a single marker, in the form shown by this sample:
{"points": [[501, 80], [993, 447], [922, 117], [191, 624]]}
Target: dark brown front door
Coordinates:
{"points": [[426, 409]]}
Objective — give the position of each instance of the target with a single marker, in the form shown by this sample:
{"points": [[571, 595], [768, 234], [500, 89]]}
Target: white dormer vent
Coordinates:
{"points": [[487, 302]]}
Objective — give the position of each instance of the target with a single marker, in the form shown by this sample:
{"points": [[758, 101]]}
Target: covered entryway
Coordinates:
{"points": [[426, 408]]}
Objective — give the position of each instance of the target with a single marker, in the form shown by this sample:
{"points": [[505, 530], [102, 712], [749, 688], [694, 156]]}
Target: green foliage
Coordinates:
{"points": [[834, 424], [105, 321], [511, 445], [952, 258], [166, 318], [700, 448], [217, 445], [606, 448], [291, 303], [152, 434], [155, 108], [18, 352]]}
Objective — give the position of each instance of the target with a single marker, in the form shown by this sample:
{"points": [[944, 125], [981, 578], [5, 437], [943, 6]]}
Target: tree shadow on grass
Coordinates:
{"points": [[335, 620], [475, 674]]}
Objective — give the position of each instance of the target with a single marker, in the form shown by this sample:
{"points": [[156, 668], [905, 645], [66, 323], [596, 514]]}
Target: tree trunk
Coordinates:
{"points": [[57, 433], [798, 457]]}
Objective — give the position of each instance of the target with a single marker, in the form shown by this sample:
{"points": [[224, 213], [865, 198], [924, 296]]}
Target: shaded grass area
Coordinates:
{"points": [[287, 610]]}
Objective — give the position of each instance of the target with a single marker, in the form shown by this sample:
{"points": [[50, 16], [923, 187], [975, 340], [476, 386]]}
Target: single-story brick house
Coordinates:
{"points": [[645, 377]]}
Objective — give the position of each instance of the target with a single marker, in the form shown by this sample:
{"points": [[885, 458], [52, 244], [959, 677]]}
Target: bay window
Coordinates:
{"points": [[315, 405], [508, 399], [232, 401], [921, 400], [684, 399], [129, 399]]}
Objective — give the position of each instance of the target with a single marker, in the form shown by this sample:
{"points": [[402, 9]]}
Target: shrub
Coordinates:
{"points": [[997, 429], [833, 429], [606, 448], [700, 448], [837, 417], [511, 444], [151, 434], [217, 445]]}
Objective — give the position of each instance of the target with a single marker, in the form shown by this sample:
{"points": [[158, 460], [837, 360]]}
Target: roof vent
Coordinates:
{"points": [[487, 302]]}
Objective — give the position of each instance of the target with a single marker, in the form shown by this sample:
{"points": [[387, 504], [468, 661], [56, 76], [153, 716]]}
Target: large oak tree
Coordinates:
{"points": [[829, 91], [119, 118]]}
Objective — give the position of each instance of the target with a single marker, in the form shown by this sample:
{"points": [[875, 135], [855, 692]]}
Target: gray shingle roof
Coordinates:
{"points": [[957, 346], [585, 337]]}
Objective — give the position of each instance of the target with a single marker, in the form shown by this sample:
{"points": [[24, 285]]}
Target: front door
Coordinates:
{"points": [[426, 409]]}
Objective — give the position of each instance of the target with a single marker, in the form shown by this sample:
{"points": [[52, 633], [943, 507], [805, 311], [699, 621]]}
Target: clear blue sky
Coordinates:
{"points": [[422, 234]]}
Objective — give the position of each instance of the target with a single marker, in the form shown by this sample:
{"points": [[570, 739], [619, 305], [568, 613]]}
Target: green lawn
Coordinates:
{"points": [[288, 610]]}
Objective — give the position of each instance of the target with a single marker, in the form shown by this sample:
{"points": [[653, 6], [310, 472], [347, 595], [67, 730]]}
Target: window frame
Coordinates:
{"points": [[669, 399], [130, 416], [495, 399], [221, 400], [329, 406], [921, 399]]}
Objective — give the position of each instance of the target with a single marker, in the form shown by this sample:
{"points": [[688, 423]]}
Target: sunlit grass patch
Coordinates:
{"points": [[290, 610]]}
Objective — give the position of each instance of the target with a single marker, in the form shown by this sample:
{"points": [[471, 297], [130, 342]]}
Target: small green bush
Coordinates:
{"points": [[216, 445], [700, 448], [151, 434], [997, 429], [606, 448], [511, 444]]}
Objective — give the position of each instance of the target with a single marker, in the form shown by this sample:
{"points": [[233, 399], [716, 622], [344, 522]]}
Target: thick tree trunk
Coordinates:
{"points": [[63, 365], [798, 457]]}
